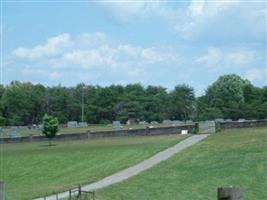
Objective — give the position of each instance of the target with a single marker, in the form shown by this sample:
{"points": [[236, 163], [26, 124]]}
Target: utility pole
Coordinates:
{"points": [[83, 103]]}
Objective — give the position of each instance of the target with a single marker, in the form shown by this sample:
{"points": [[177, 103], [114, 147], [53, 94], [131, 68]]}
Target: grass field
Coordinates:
{"points": [[92, 128], [35, 169], [235, 157]]}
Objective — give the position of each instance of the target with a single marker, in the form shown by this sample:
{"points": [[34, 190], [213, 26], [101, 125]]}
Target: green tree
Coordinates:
{"points": [[227, 95], [181, 103], [50, 127]]}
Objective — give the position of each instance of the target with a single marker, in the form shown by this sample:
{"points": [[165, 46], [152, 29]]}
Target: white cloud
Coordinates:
{"points": [[229, 57], [256, 75], [125, 12], [201, 20], [222, 21], [213, 58], [90, 52], [53, 47]]}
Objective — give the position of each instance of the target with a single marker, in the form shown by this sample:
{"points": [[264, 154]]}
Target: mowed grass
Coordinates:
{"points": [[35, 169], [93, 128], [235, 157]]}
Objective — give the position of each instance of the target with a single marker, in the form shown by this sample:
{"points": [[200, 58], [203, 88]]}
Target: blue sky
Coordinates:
{"points": [[153, 43]]}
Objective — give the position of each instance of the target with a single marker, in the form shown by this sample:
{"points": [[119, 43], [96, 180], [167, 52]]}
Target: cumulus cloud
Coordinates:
{"points": [[229, 57], [256, 75], [201, 20], [53, 47], [125, 12], [90, 52]]}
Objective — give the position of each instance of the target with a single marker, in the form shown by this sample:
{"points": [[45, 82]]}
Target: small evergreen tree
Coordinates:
{"points": [[50, 127]]}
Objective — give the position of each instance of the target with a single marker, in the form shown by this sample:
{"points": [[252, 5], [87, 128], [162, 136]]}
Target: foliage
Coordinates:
{"points": [[50, 126], [228, 97]]}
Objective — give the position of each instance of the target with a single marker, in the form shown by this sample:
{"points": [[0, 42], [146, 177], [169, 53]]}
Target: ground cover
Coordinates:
{"points": [[35, 169], [232, 157]]}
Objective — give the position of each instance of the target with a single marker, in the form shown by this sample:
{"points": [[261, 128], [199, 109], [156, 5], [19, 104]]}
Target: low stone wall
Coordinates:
{"points": [[244, 124], [92, 135]]}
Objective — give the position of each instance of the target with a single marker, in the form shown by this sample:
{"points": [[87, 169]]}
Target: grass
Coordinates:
{"points": [[35, 169], [235, 157], [93, 128]]}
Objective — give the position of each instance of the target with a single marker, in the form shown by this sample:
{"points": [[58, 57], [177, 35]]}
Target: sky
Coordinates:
{"points": [[120, 42]]}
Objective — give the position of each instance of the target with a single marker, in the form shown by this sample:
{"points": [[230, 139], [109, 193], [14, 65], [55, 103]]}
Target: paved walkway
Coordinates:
{"points": [[138, 168]]}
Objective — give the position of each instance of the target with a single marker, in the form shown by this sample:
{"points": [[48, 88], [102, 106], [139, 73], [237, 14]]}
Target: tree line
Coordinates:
{"points": [[230, 97]]}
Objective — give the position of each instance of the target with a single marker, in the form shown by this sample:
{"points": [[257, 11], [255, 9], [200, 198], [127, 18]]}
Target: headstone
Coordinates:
{"points": [[143, 123], [72, 124], [14, 134], [116, 125], [219, 120], [188, 122], [176, 123], [167, 122], [131, 121], [207, 127], [83, 125], [229, 193]]}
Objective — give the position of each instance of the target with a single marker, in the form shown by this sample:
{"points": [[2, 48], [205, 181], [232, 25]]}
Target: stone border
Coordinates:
{"points": [[103, 134]]}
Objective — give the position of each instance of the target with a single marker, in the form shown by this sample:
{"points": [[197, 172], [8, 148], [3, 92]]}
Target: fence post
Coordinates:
{"points": [[79, 191], [69, 194], [93, 195], [230, 193], [2, 190]]}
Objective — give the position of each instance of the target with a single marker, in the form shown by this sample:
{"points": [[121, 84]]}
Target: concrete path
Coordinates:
{"points": [[136, 169]]}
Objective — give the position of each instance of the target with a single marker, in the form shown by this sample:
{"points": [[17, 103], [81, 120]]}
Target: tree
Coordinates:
{"points": [[181, 105], [227, 95], [50, 127]]}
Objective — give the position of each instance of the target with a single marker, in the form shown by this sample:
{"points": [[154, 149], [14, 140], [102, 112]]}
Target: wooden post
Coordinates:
{"points": [[230, 193], [79, 191], [2, 190], [93, 195]]}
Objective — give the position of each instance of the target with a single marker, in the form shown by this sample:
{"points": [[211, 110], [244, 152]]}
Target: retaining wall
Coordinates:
{"points": [[92, 135], [244, 124]]}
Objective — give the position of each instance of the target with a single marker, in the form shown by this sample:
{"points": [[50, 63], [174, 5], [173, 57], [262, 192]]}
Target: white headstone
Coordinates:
{"points": [[167, 122], [72, 124], [83, 125], [176, 123], [116, 124]]}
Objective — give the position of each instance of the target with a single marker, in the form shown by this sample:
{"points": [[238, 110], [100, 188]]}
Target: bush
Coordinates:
{"points": [[50, 127]]}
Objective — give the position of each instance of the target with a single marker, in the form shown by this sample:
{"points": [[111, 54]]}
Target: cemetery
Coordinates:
{"points": [[133, 100]]}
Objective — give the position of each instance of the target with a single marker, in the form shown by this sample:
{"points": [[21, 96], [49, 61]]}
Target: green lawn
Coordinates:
{"points": [[35, 169], [235, 157], [92, 128]]}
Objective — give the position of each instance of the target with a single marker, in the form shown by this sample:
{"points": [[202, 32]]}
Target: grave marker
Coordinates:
{"points": [[72, 124], [83, 125], [116, 125]]}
